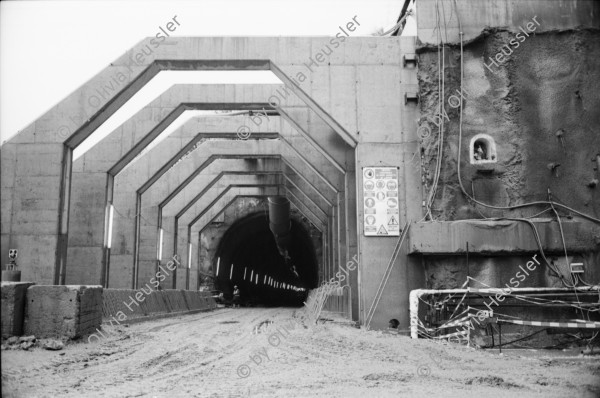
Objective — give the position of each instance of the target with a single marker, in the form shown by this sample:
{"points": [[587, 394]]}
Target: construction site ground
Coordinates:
{"points": [[268, 352]]}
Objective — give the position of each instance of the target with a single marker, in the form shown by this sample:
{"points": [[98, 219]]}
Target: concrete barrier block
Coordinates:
{"points": [[155, 303], [163, 301], [176, 300], [14, 295], [208, 300], [69, 311], [123, 300], [90, 309], [193, 300]]}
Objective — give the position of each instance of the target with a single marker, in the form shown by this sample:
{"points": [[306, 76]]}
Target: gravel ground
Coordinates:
{"points": [[267, 352]]}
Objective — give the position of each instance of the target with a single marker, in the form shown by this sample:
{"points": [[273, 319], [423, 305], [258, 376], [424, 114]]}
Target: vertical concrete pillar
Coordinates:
{"points": [[342, 232], [351, 233]]}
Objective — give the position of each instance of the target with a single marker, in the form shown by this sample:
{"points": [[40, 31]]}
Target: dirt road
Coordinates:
{"points": [[261, 352]]}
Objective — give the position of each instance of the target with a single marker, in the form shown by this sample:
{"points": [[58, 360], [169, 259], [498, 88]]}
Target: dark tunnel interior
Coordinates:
{"points": [[250, 247]]}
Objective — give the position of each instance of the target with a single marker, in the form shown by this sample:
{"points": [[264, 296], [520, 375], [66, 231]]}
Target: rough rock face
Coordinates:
{"points": [[540, 107]]}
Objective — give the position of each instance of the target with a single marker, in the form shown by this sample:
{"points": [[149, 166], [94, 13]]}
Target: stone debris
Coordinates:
{"points": [[54, 345], [27, 339], [15, 343], [12, 340], [27, 345]]}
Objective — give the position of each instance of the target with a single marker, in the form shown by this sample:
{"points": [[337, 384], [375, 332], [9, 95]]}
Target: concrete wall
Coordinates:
{"points": [[14, 296]]}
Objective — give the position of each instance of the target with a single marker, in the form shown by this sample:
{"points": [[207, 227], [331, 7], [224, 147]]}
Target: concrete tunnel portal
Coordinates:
{"points": [[248, 256]]}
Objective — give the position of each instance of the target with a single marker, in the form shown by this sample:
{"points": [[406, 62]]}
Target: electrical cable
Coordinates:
{"points": [[460, 147], [565, 249], [514, 341], [398, 24], [441, 113]]}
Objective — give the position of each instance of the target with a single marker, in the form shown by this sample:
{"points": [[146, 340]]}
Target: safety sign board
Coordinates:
{"points": [[380, 201]]}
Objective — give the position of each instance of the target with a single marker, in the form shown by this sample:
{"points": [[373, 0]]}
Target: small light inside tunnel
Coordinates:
{"points": [[251, 275], [218, 263], [245, 269], [265, 280], [231, 272], [256, 279]]}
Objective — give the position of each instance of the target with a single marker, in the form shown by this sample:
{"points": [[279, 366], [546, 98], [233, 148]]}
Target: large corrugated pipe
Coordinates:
{"points": [[279, 222]]}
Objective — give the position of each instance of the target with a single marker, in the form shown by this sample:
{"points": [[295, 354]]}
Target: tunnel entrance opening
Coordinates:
{"points": [[247, 257]]}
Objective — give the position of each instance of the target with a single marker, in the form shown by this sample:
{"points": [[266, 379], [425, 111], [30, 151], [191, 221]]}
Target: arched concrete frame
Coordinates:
{"points": [[292, 176], [322, 227], [223, 204], [210, 152], [111, 107], [84, 244], [202, 201], [361, 85], [315, 216], [210, 177], [224, 199], [171, 102], [194, 279], [208, 149], [114, 152], [70, 144], [149, 236], [144, 129], [205, 182], [268, 175]]}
